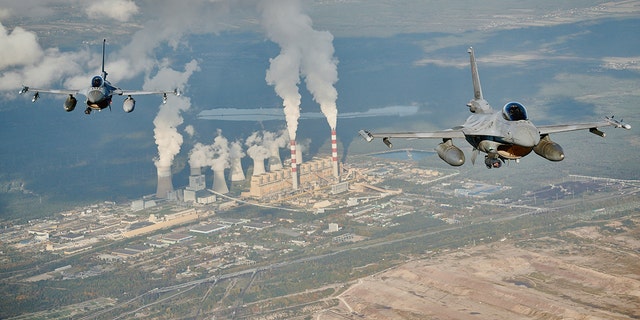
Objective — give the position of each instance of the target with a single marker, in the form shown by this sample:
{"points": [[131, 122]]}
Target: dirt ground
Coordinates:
{"points": [[582, 274]]}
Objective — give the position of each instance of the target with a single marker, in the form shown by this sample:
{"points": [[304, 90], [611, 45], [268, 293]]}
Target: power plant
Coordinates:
{"points": [[313, 173], [275, 180]]}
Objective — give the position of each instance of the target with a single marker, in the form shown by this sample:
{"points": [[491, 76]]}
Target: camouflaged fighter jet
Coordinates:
{"points": [[99, 93], [507, 134]]}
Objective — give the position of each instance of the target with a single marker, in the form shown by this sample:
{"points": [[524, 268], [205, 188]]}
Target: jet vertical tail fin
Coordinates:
{"points": [[104, 73], [477, 89]]}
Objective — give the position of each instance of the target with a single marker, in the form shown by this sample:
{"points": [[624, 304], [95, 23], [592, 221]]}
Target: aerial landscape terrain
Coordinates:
{"points": [[252, 195]]}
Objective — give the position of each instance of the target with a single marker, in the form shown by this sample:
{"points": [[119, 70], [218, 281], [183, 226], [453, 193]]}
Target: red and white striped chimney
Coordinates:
{"points": [[294, 166], [334, 153]]}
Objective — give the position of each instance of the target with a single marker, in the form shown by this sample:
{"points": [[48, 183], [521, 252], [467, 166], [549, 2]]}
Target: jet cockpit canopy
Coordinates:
{"points": [[97, 82], [514, 111]]}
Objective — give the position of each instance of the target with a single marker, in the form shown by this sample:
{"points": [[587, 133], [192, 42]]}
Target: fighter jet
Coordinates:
{"points": [[99, 93], [502, 135]]}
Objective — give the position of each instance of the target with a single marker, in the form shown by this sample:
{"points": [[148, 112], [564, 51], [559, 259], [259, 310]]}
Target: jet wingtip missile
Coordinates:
{"points": [[366, 135]]}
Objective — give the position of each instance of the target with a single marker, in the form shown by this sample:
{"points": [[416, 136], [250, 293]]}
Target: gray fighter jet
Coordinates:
{"points": [[99, 94], [507, 134]]}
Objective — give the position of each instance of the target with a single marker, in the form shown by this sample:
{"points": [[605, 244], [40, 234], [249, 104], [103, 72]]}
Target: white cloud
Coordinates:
{"points": [[19, 47], [120, 10]]}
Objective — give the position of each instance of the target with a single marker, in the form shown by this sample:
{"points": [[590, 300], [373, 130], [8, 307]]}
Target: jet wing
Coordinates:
{"points": [[443, 134], [119, 91], [138, 92], [25, 89], [591, 126]]}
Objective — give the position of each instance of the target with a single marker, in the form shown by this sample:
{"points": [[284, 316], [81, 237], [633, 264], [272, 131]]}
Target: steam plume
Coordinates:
{"points": [[220, 162], [236, 154], [257, 152], [169, 117], [200, 155], [274, 141], [305, 51]]}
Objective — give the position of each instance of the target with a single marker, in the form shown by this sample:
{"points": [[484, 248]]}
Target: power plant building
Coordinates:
{"points": [[317, 172]]}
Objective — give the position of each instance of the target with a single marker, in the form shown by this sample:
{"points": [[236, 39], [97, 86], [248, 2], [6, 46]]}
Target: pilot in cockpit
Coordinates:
{"points": [[96, 82]]}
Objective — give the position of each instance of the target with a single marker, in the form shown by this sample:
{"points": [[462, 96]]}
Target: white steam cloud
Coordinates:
{"points": [[236, 154], [200, 155], [274, 141], [305, 51], [169, 117], [221, 153], [257, 152], [120, 10]]}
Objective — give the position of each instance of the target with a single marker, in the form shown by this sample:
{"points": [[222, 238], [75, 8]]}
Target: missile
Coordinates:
{"points": [[618, 123], [366, 135]]}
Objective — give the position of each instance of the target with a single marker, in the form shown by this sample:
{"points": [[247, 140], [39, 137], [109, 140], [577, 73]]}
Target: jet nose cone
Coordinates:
{"points": [[95, 96], [526, 136]]}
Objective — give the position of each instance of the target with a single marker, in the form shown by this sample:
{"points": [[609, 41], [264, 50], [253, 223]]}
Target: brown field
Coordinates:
{"points": [[581, 274]]}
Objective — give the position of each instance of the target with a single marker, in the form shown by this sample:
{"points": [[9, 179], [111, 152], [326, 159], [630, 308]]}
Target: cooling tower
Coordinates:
{"points": [[258, 166], [334, 154], [219, 184], [275, 163], [294, 166], [236, 172], [164, 182]]}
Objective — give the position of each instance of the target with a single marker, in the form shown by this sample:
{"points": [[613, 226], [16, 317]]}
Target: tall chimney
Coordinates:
{"points": [[219, 184], [236, 172], [294, 166], [299, 153], [196, 171], [334, 154], [164, 182]]}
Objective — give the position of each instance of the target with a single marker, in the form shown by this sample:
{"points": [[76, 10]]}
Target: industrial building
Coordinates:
{"points": [[314, 173]]}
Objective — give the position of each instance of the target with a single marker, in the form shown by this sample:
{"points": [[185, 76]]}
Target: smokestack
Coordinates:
{"points": [[219, 184], [164, 182], [334, 154], [196, 170], [294, 166], [299, 148]]}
